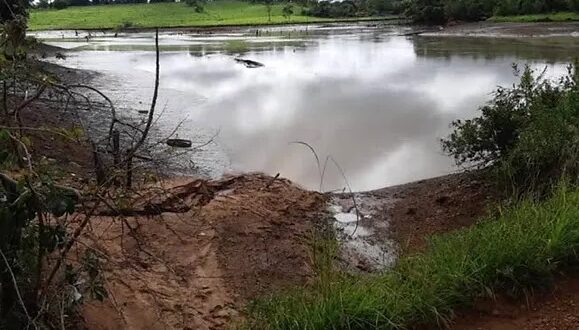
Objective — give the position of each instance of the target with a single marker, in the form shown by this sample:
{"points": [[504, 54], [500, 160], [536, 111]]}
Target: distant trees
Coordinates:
{"points": [[287, 11], [79, 2], [352, 8], [346, 8], [268, 7], [60, 4], [10, 9], [198, 5], [440, 11]]}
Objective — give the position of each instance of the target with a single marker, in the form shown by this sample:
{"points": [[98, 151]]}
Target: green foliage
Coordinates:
{"points": [[43, 4], [198, 5], [60, 4], [287, 11], [521, 250], [529, 134], [344, 8], [428, 11], [34, 211], [12, 9], [440, 11]]}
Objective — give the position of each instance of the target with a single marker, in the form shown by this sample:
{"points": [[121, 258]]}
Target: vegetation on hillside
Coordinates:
{"points": [[353, 8], [528, 134], [441, 11]]}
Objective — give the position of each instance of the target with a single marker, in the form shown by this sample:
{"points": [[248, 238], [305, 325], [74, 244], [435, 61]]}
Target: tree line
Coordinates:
{"points": [[441, 11]]}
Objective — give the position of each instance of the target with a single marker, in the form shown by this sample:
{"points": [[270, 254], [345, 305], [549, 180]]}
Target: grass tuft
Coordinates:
{"points": [[520, 250]]}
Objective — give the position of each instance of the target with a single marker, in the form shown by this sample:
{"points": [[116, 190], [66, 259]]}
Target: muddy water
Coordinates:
{"points": [[374, 100]]}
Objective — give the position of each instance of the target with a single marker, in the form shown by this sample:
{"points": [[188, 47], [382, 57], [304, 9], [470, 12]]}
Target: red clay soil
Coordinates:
{"points": [[438, 205], [197, 269]]}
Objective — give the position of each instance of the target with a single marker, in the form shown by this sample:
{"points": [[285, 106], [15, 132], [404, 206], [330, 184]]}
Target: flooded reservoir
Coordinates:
{"points": [[374, 97]]}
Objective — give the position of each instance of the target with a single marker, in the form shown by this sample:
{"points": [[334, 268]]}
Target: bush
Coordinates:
{"points": [[427, 11], [529, 134], [60, 4], [198, 5], [345, 8], [441, 11], [287, 11]]}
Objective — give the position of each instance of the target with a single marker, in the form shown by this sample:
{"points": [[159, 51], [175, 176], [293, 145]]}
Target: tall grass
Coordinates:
{"points": [[520, 250]]}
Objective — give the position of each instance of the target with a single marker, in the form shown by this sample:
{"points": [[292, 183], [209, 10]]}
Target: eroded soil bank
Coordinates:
{"points": [[220, 244], [505, 30]]}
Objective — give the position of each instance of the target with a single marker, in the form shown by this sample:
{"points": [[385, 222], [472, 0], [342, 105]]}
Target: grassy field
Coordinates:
{"points": [[217, 13], [524, 248], [553, 17]]}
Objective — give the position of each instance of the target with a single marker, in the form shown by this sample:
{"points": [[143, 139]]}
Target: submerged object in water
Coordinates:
{"points": [[179, 143], [249, 63]]}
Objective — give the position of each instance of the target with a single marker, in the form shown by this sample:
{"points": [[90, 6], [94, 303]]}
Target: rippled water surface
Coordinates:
{"points": [[373, 99]]}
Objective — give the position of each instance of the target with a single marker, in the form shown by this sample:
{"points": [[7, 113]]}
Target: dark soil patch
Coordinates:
{"points": [[439, 205], [555, 309]]}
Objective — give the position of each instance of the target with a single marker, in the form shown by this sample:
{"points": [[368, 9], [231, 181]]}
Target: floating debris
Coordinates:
{"points": [[179, 143], [249, 63]]}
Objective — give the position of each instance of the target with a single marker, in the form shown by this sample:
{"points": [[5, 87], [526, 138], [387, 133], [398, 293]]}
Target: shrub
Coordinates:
{"points": [[198, 5], [427, 11], [287, 11], [441, 11], [529, 134], [60, 4], [345, 8]]}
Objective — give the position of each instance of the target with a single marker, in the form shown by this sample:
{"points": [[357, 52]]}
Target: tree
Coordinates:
{"points": [[79, 3], [198, 5], [60, 4], [427, 11], [268, 5], [11, 9], [44, 4], [288, 11]]}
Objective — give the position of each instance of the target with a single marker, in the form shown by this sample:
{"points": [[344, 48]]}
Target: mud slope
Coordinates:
{"points": [[242, 237]]}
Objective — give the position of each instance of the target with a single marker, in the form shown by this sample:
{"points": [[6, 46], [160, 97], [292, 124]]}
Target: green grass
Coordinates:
{"points": [[524, 248], [553, 17], [217, 13]]}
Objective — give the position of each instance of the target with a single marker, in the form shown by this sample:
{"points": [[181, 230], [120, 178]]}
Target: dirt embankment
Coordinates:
{"points": [[509, 30], [234, 240]]}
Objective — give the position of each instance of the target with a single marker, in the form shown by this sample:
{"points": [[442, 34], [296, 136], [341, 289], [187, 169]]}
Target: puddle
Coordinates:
{"points": [[363, 237]]}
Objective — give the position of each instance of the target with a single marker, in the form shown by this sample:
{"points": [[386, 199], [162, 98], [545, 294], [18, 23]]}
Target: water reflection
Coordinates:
{"points": [[376, 102]]}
